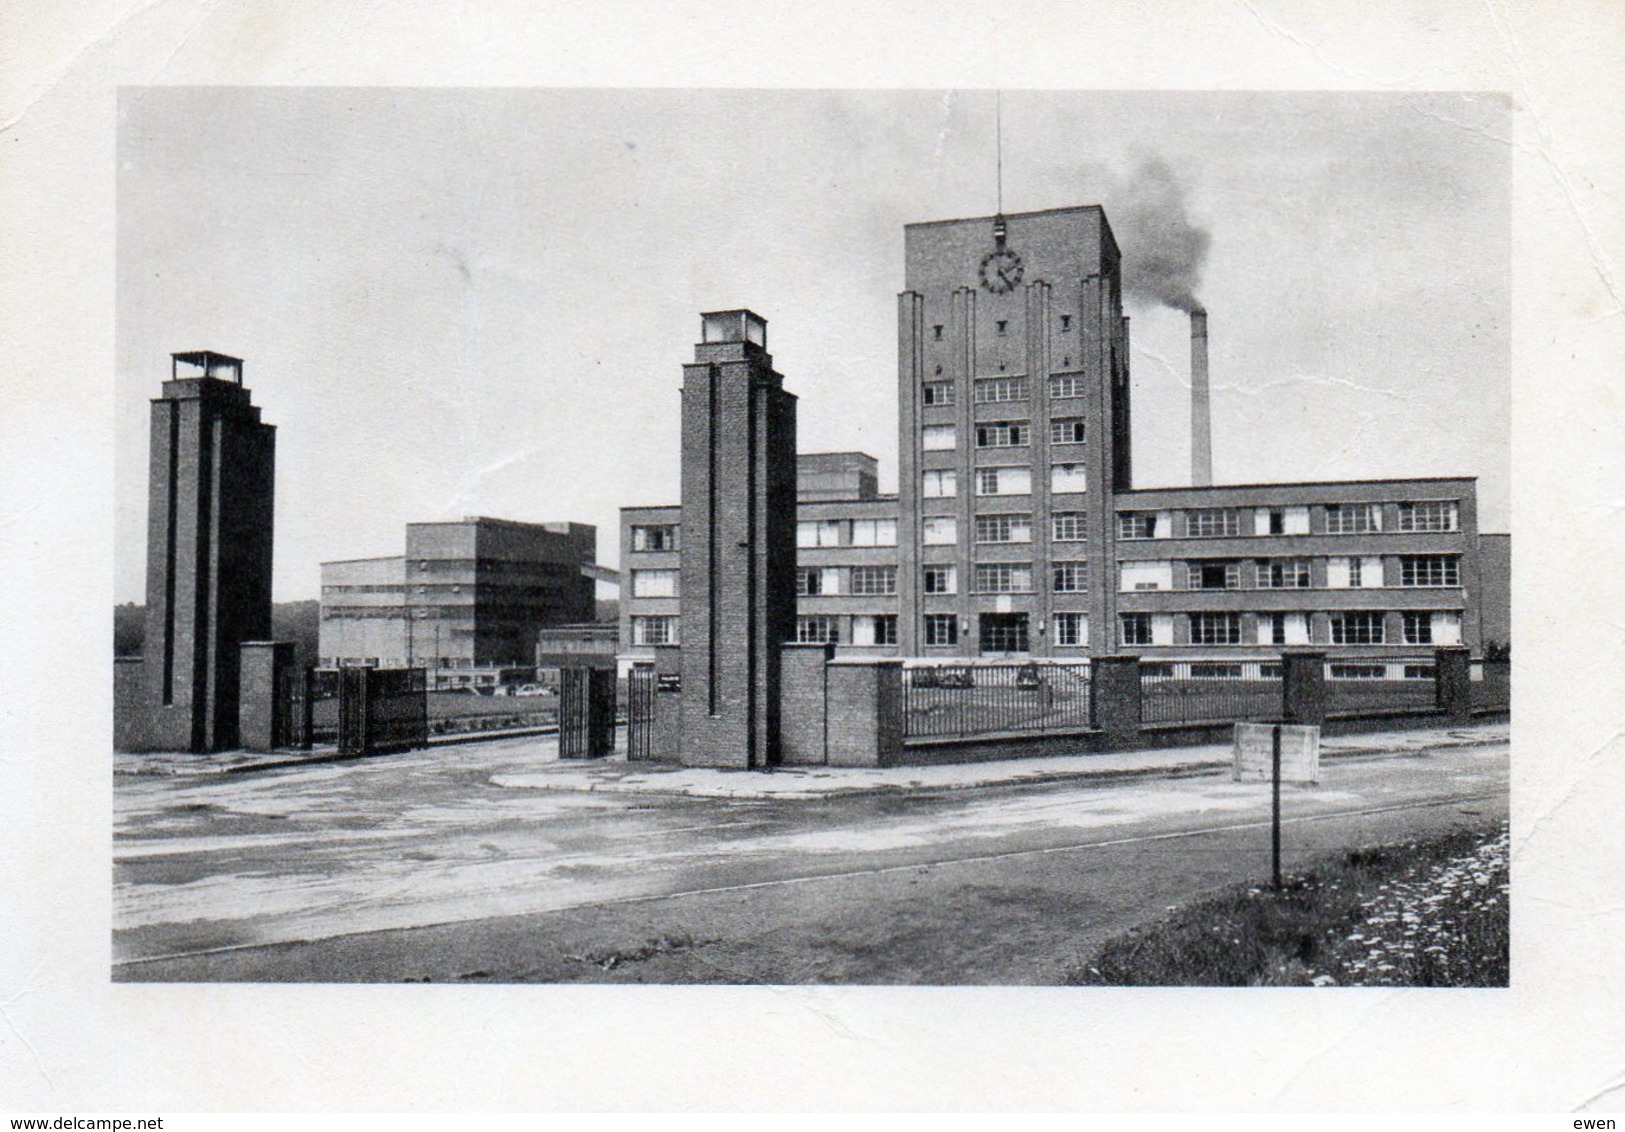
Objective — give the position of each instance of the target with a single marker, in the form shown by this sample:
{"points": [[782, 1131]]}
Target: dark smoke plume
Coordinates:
{"points": [[1163, 249]]}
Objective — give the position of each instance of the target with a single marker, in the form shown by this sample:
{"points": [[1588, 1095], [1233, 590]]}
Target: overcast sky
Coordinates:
{"points": [[478, 302]]}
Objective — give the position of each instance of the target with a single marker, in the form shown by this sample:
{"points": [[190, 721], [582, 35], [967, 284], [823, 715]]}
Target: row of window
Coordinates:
{"points": [[1338, 519], [847, 532], [1009, 631], [1065, 526], [1344, 627], [1008, 578], [1413, 570], [943, 483], [830, 580], [1001, 434], [876, 629], [1006, 632], [999, 390]]}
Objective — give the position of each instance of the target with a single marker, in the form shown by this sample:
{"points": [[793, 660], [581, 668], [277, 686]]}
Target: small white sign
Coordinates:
{"points": [[1300, 752]]}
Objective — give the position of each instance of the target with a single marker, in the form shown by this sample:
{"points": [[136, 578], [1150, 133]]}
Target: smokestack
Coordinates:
{"points": [[1201, 420]]}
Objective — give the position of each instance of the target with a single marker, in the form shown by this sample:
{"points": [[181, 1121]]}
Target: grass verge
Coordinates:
{"points": [[1423, 913]]}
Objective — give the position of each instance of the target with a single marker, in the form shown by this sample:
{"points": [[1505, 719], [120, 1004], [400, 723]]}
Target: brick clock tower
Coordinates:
{"points": [[738, 557], [1013, 396], [211, 487]]}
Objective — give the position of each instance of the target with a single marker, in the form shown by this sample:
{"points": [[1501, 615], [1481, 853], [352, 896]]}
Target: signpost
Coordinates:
{"points": [[1276, 752]]}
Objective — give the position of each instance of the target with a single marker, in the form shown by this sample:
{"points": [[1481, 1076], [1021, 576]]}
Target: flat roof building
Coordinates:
{"points": [[1017, 531], [467, 596]]}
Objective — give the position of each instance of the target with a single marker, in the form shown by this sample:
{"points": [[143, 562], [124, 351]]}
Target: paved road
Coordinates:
{"points": [[421, 867]]}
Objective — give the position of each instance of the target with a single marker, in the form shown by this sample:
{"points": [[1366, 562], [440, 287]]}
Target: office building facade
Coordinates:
{"points": [[1017, 531]]}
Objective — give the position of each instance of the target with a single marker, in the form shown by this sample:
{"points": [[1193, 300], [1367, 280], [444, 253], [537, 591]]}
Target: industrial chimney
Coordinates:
{"points": [[1201, 418]]}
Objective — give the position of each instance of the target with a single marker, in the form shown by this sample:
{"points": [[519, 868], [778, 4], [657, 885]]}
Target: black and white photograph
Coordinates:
{"points": [[601, 557], [813, 537]]}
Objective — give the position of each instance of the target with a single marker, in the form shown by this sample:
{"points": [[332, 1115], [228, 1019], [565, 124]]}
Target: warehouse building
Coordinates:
{"points": [[1017, 531], [465, 601]]}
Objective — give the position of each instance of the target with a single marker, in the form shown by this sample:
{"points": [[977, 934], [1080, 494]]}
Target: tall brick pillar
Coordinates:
{"points": [[1114, 682], [1303, 681], [738, 558], [210, 496], [1453, 679]]}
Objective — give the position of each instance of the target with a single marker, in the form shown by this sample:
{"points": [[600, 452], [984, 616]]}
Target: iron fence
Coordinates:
{"points": [[1372, 684], [1194, 691], [960, 701]]}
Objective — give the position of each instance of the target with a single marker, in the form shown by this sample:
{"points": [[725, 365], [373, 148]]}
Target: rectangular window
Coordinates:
{"points": [[1281, 573], [1004, 481], [1353, 518], [1072, 629], [870, 580], [1277, 629], [654, 583], [1136, 524], [1069, 526], [818, 581], [1358, 671], [941, 580], [655, 537], [1068, 477], [818, 630], [820, 532], [1429, 515], [1066, 323], [1069, 578], [1135, 628], [1418, 628], [1004, 632], [1357, 627], [1429, 570], [936, 332], [1066, 385], [939, 530], [1355, 573], [654, 630], [1004, 578], [1212, 523], [1066, 430], [1004, 528], [1212, 671], [879, 629], [937, 437], [1215, 628], [993, 390], [941, 629], [940, 484], [937, 393], [874, 532], [1002, 434], [1001, 327], [1219, 575]]}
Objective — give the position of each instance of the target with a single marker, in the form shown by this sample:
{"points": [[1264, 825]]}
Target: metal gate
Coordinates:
{"points": [[586, 713], [640, 711], [290, 719], [382, 710]]}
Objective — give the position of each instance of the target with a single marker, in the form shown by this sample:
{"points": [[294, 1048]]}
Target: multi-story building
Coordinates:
{"points": [[465, 601], [846, 562], [1017, 530]]}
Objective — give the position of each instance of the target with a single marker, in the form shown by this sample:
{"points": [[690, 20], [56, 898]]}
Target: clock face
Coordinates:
{"points": [[1001, 271]]}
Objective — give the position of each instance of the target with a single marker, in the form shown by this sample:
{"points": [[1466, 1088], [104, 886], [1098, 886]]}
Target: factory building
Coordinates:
{"points": [[1017, 531], [465, 601]]}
